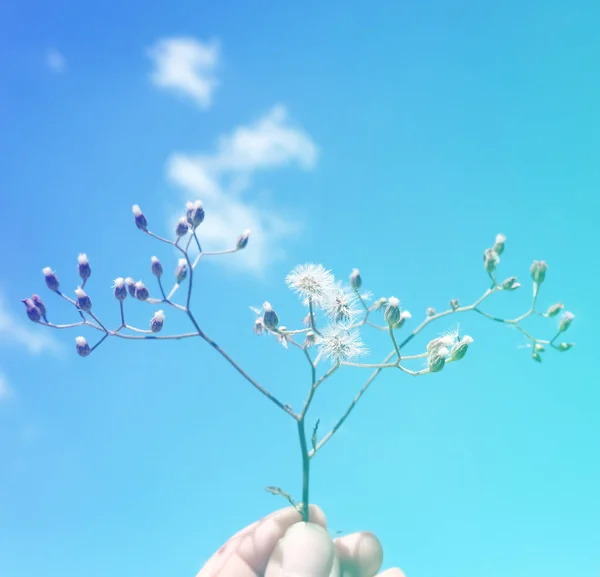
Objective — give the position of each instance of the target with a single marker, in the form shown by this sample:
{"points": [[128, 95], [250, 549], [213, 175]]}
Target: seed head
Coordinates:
{"points": [[340, 344], [310, 339], [490, 260], [141, 292], [140, 219], [156, 267], [554, 309], [83, 301], [194, 214], [499, 244], [82, 347], [242, 240], [156, 322], [459, 349], [84, 267], [270, 318], [355, 279], [565, 321], [119, 289], [341, 305], [181, 270], [311, 281], [130, 283], [538, 271], [182, 227], [51, 279], [392, 312]]}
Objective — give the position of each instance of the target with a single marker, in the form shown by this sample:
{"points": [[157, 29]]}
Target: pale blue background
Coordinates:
{"points": [[439, 125]]}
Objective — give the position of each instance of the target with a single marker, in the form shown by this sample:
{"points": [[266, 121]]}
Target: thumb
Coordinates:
{"points": [[306, 550]]}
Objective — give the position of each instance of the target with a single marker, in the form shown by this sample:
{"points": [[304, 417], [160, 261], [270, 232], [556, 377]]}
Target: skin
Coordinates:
{"points": [[280, 545]]}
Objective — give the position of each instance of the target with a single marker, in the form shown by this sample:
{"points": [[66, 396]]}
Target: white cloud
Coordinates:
{"points": [[55, 61], [36, 339], [187, 67], [220, 180], [5, 390]]}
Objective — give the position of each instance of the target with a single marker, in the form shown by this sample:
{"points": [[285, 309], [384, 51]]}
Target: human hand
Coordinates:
{"points": [[279, 545]]}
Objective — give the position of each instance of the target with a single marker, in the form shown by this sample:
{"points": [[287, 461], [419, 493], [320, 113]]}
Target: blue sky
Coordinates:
{"points": [[394, 137]]}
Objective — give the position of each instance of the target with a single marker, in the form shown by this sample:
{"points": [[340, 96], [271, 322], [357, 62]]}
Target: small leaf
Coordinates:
{"points": [[313, 439]]}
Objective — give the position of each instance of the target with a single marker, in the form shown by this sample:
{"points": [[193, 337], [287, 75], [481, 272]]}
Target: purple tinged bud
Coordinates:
{"points": [[140, 219], [39, 303], [141, 292], [182, 227], [156, 267], [270, 318], [33, 312], [156, 322], [82, 347], [119, 289], [51, 279], [130, 284], [83, 301], [355, 279], [194, 214], [181, 270], [84, 267], [242, 240]]}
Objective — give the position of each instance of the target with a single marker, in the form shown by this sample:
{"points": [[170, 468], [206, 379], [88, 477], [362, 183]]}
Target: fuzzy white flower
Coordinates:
{"points": [[340, 344], [341, 305], [311, 281]]}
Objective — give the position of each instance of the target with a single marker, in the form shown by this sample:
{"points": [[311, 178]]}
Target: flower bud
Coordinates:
{"points": [[392, 311], [459, 350], [82, 347], [538, 271], [181, 270], [437, 360], [510, 284], [39, 303], [554, 309], [536, 356], [119, 289], [259, 327], [430, 312], [156, 267], [355, 279], [194, 214], [140, 219], [565, 321], [84, 267], [83, 301], [379, 303], [310, 339], [156, 322], [141, 292], [182, 227], [490, 260], [454, 304], [32, 311], [565, 346], [51, 279], [499, 244], [242, 240], [270, 318], [539, 347], [130, 283], [403, 316]]}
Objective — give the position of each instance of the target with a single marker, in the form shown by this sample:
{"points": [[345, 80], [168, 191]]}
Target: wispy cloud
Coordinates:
{"points": [[186, 66], [55, 61], [221, 178], [14, 331], [5, 390]]}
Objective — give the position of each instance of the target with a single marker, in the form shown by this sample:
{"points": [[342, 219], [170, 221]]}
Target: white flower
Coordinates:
{"points": [[311, 281], [340, 344], [341, 305]]}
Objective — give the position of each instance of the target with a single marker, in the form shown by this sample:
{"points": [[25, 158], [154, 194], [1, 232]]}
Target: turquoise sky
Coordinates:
{"points": [[395, 137]]}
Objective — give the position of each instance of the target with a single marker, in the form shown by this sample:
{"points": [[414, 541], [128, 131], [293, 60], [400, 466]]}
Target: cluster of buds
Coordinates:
{"points": [[35, 309]]}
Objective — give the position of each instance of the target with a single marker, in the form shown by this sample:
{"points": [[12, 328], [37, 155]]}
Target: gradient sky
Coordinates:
{"points": [[391, 136]]}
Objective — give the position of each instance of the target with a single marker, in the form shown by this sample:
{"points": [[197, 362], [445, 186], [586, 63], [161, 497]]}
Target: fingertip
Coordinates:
{"points": [[360, 551]]}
